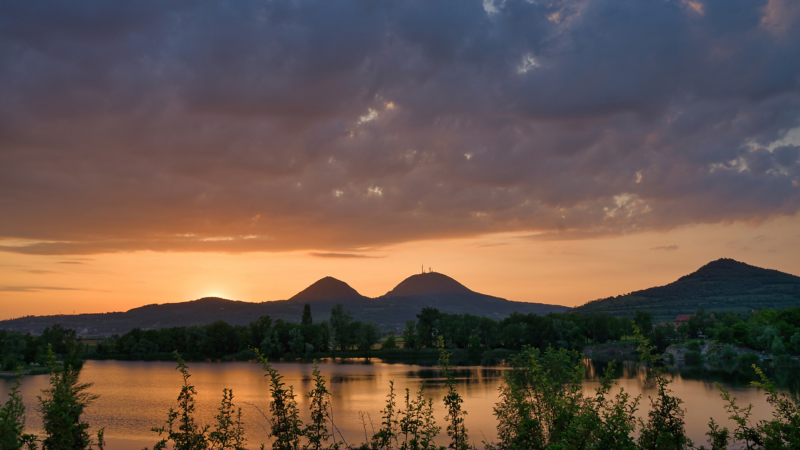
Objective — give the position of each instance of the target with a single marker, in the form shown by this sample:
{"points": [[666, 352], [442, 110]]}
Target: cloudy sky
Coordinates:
{"points": [[551, 151]]}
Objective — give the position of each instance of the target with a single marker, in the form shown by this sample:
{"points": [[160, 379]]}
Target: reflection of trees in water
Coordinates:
{"points": [[727, 372]]}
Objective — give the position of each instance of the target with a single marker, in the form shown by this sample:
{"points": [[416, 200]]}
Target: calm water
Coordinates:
{"points": [[135, 396]]}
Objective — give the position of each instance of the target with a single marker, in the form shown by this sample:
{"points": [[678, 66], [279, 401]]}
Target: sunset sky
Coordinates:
{"points": [[545, 151]]}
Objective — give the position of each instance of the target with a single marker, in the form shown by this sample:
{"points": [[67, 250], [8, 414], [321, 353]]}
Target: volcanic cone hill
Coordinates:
{"points": [[429, 283], [327, 288], [721, 285]]}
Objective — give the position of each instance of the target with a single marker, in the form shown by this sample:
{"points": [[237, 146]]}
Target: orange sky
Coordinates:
{"points": [[512, 266]]}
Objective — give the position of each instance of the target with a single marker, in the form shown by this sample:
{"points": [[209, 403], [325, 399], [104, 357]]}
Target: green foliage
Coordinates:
{"points": [[387, 434], [368, 335], [389, 344], [410, 335], [542, 406], [62, 406], [665, 426], [306, 319], [718, 438], [229, 432], [12, 421], [728, 353], [643, 320], [317, 430], [417, 425], [747, 360], [693, 357], [725, 335], [182, 432], [456, 430], [340, 325], [286, 426], [188, 435], [693, 346], [782, 432]]}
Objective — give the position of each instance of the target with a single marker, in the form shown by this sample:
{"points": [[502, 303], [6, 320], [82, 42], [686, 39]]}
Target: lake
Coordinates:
{"points": [[136, 396]]}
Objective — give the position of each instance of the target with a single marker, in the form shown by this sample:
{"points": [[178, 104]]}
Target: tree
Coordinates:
{"points": [[13, 350], [643, 321], [317, 430], [410, 335], [297, 344], [389, 344], [459, 440], [286, 424], [306, 320], [368, 335], [12, 421], [340, 322], [62, 406], [428, 327]]}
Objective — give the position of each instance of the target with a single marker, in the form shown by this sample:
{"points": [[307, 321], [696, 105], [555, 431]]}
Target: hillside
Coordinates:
{"points": [[721, 285], [389, 311], [327, 288], [429, 283]]}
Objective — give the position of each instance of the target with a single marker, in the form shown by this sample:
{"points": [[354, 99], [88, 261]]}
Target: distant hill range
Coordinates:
{"points": [[721, 285], [389, 311]]}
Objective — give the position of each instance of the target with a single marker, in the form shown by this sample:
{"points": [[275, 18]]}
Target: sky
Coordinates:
{"points": [[546, 151]]}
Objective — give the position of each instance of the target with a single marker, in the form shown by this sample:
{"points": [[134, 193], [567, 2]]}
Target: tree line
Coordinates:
{"points": [[773, 331]]}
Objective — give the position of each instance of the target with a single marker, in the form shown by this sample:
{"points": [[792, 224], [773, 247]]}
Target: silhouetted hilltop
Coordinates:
{"points": [[721, 285], [390, 311], [327, 288], [428, 283]]}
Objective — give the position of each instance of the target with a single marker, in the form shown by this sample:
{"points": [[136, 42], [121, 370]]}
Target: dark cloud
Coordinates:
{"points": [[340, 255], [665, 247], [252, 126]]}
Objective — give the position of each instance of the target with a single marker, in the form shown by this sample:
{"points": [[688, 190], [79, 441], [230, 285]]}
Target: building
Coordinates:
{"points": [[680, 319]]}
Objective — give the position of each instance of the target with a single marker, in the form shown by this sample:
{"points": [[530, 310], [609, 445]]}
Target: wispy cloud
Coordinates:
{"points": [[36, 288], [665, 248], [40, 272], [341, 255]]}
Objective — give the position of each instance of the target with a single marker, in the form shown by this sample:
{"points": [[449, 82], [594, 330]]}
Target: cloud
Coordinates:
{"points": [[340, 255], [28, 249], [665, 248], [35, 288], [259, 126], [40, 272]]}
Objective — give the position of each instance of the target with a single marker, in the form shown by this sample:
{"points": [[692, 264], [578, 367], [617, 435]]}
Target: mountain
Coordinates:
{"points": [[721, 285], [428, 283], [389, 311], [328, 288]]}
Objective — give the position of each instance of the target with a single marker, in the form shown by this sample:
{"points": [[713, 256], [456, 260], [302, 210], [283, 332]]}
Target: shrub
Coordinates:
{"points": [[748, 359], [389, 344], [693, 357], [693, 346], [246, 355], [728, 352], [12, 421]]}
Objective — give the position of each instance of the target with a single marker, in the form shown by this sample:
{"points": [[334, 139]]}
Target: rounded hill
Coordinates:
{"points": [[429, 283], [328, 288]]}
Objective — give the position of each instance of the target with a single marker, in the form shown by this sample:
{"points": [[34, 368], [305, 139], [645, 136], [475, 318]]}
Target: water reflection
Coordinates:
{"points": [[135, 396]]}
